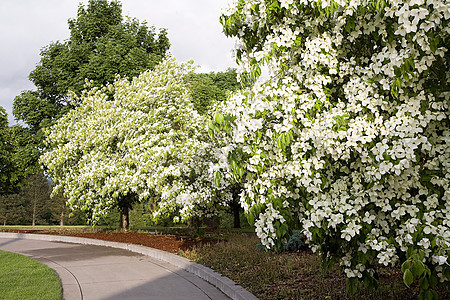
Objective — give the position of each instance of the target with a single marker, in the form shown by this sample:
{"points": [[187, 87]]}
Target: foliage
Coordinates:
{"points": [[347, 133], [147, 143], [296, 242], [13, 210], [27, 149], [32, 204], [24, 278], [227, 221], [140, 216], [101, 45], [11, 156], [210, 88]]}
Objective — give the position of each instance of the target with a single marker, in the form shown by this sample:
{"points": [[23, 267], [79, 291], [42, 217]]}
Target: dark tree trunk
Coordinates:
{"points": [[236, 216], [34, 207], [124, 207], [236, 206]]}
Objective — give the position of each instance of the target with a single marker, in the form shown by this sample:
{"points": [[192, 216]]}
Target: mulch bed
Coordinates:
{"points": [[169, 243]]}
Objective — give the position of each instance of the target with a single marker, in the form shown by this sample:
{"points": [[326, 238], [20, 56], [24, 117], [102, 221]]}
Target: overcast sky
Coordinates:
{"points": [[28, 25]]}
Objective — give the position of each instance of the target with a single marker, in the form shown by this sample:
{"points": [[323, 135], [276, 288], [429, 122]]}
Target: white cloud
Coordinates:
{"points": [[28, 25]]}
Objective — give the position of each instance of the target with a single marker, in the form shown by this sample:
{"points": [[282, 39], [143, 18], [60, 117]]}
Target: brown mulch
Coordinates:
{"points": [[169, 243]]}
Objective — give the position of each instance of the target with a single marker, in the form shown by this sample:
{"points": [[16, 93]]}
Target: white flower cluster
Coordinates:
{"points": [[350, 134]]}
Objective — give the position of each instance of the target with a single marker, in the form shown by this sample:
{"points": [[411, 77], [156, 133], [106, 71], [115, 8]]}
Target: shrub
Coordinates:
{"points": [[347, 133]]}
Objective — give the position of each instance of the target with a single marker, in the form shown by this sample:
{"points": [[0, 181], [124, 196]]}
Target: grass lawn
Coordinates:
{"points": [[24, 278], [286, 275]]}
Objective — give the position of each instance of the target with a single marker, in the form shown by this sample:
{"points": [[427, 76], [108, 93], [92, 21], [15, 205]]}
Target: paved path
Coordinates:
{"points": [[98, 272]]}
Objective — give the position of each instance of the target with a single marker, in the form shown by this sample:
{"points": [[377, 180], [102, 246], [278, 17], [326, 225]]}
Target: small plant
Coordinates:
{"points": [[295, 243]]}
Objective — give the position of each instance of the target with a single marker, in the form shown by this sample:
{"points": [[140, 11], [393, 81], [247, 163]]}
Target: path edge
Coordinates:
{"points": [[223, 283]]}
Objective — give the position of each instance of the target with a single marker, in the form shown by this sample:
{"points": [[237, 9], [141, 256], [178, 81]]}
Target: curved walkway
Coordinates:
{"points": [[94, 269]]}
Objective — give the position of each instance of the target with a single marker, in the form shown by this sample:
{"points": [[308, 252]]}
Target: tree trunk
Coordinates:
{"points": [[236, 216], [124, 218], [125, 205], [34, 214], [34, 206], [61, 220], [236, 206]]}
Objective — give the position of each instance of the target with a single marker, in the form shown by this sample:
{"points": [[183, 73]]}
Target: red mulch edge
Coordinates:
{"points": [[169, 243]]}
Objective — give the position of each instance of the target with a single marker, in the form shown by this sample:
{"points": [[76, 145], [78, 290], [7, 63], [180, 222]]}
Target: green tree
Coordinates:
{"points": [[13, 210], [32, 204], [27, 151], [10, 173], [101, 46], [40, 204], [209, 88]]}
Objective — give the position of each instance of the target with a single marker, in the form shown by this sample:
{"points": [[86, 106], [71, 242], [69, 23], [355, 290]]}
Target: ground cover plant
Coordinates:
{"points": [[24, 278]]}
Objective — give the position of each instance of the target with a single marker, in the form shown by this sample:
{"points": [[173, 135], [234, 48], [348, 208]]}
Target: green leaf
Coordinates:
{"points": [[219, 118], [211, 125], [447, 272], [240, 172], [417, 268], [280, 141], [421, 254], [288, 137], [410, 252], [284, 229], [352, 285], [433, 243], [405, 266], [408, 278], [433, 281], [250, 218], [423, 282], [431, 295], [217, 178], [211, 133]]}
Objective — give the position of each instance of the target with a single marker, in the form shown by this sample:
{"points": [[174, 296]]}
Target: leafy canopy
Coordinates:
{"points": [[101, 46], [18, 156]]}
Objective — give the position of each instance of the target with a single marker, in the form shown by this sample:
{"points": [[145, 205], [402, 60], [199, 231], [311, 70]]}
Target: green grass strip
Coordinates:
{"points": [[24, 278]]}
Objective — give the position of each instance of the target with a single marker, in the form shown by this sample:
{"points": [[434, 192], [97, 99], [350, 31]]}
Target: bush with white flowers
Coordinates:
{"points": [[146, 141], [346, 134]]}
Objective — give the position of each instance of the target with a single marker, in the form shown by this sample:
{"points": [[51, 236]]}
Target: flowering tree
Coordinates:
{"points": [[347, 136], [107, 154], [146, 142]]}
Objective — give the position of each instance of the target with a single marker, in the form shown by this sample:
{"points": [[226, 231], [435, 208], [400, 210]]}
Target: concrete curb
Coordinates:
{"points": [[226, 285]]}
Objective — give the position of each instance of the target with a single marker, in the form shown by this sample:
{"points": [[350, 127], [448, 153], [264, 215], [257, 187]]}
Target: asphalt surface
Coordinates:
{"points": [[99, 272]]}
